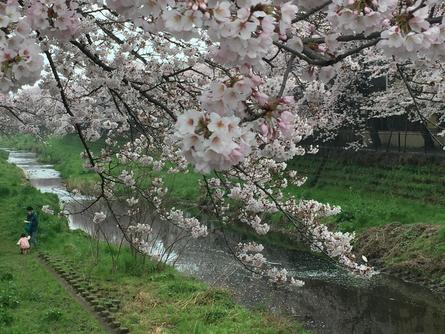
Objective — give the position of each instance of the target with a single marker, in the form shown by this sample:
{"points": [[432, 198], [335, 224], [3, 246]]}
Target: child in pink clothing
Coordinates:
{"points": [[23, 243]]}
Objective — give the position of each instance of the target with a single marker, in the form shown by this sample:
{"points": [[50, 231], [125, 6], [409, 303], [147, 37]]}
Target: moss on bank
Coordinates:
{"points": [[153, 298]]}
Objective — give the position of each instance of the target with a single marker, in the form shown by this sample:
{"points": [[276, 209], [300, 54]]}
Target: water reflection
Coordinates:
{"points": [[330, 302]]}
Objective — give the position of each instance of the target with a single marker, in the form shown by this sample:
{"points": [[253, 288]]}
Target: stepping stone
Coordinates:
{"points": [[105, 313], [115, 324], [99, 308], [124, 330], [94, 302], [90, 298]]}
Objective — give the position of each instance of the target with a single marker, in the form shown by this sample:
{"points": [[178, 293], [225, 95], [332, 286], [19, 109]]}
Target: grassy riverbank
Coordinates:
{"points": [[31, 300], [376, 197], [374, 193], [153, 299], [63, 153], [395, 207], [370, 195]]}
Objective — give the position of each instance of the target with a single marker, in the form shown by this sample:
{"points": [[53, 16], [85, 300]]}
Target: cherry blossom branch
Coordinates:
{"points": [[291, 218], [306, 15], [107, 68], [416, 105], [327, 62], [286, 75], [11, 111], [67, 106]]}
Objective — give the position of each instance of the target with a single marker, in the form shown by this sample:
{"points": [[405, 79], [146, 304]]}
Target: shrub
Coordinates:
{"points": [[181, 287]]}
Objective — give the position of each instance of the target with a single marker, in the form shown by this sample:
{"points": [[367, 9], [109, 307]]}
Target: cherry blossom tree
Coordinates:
{"points": [[232, 89]]}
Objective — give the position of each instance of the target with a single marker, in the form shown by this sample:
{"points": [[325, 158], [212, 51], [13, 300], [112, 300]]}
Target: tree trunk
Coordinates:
{"points": [[427, 139], [374, 133]]}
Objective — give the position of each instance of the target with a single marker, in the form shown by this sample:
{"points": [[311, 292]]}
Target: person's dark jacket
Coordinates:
{"points": [[33, 222]]}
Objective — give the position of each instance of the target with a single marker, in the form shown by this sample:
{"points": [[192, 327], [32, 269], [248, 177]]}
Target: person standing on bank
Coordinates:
{"points": [[33, 225]]}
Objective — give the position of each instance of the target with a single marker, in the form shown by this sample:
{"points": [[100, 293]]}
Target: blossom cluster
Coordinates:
{"points": [[357, 16], [253, 200], [99, 217], [54, 18], [333, 243], [20, 58], [250, 254], [213, 141], [192, 225], [413, 35], [127, 178], [47, 209], [221, 136], [138, 233], [246, 35], [227, 98]]}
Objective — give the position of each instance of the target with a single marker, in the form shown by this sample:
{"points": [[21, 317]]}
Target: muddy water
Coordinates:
{"points": [[330, 302]]}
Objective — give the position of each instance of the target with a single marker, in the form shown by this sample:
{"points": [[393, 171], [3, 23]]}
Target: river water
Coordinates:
{"points": [[331, 302]]}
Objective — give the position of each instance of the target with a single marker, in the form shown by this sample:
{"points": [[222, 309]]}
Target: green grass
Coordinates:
{"points": [[361, 210], [64, 153], [370, 194], [396, 209], [31, 300], [155, 299], [373, 194], [416, 248]]}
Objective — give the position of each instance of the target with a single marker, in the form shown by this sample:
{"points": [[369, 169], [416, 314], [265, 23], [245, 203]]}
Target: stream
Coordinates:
{"points": [[331, 301]]}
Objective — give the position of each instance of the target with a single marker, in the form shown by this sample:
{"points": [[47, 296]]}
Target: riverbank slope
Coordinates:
{"points": [[31, 299], [152, 298], [394, 205]]}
